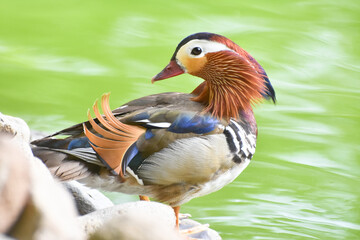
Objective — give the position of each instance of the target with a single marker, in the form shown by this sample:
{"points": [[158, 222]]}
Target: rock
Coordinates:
{"points": [[3, 237], [134, 226], [14, 175], [87, 200], [208, 234], [135, 220], [139, 220], [15, 127], [40, 207], [50, 212]]}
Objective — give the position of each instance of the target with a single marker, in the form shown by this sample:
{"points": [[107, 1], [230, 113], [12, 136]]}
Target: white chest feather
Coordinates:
{"points": [[222, 180]]}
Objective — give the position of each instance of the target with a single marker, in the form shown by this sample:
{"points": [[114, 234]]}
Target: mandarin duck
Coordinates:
{"points": [[171, 147]]}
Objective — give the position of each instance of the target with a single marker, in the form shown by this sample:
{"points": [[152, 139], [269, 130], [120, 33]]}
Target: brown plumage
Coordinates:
{"points": [[231, 85]]}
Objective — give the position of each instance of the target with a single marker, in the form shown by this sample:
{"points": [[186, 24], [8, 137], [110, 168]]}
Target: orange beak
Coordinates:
{"points": [[171, 70]]}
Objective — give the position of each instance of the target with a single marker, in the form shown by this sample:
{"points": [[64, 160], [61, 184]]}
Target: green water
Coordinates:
{"points": [[57, 57]]}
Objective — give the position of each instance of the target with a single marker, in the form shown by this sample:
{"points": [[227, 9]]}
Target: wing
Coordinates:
{"points": [[70, 147], [132, 137], [128, 142], [173, 100]]}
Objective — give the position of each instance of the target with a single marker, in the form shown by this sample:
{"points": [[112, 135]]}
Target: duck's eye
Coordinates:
{"points": [[196, 51]]}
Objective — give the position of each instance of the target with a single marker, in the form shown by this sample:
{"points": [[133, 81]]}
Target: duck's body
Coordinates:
{"points": [[170, 146], [180, 166]]}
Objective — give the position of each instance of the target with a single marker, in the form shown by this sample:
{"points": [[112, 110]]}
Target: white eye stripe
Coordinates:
{"points": [[206, 47], [183, 56]]}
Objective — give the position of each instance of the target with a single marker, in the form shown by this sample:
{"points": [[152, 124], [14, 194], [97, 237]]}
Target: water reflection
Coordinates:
{"points": [[34, 58]]}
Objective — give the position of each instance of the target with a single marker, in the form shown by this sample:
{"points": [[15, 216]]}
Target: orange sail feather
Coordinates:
{"points": [[113, 138]]}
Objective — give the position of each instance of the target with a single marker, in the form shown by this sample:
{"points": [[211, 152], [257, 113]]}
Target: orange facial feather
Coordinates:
{"points": [[230, 44], [231, 84]]}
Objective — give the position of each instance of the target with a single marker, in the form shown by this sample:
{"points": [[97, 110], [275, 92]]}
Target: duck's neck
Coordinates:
{"points": [[231, 85]]}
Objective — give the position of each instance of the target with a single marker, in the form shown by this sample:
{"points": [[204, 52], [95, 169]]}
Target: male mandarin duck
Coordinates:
{"points": [[171, 146]]}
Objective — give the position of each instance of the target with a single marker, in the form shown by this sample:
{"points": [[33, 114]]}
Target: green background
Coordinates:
{"points": [[57, 57]]}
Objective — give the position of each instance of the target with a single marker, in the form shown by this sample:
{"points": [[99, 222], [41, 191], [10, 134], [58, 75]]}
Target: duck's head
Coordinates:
{"points": [[233, 79]]}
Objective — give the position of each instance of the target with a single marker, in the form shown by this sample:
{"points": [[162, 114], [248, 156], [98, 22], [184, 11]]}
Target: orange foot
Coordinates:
{"points": [[188, 231], [144, 198]]}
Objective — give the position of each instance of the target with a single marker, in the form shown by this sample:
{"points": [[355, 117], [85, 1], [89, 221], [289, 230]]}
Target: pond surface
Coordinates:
{"points": [[57, 57]]}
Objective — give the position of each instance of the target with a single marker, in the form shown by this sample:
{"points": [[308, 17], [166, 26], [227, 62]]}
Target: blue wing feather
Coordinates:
{"points": [[129, 155], [148, 134], [79, 143], [199, 124], [140, 116]]}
